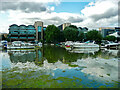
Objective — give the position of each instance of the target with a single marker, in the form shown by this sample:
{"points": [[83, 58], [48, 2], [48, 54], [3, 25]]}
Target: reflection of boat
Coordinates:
{"points": [[112, 51], [87, 50], [87, 44]]}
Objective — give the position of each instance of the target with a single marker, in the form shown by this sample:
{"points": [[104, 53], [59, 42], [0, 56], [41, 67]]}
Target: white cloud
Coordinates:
{"points": [[52, 8], [101, 13]]}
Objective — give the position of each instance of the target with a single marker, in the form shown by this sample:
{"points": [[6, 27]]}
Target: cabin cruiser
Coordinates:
{"points": [[110, 44], [68, 45], [88, 44], [3, 44], [20, 44], [40, 44]]}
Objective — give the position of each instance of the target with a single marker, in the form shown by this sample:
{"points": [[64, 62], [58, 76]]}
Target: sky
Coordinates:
{"points": [[82, 13]]}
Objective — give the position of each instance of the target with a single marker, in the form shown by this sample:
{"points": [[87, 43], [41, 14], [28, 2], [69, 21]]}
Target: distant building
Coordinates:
{"points": [[62, 26], [39, 30], [22, 33], [84, 29], [108, 30], [26, 33]]}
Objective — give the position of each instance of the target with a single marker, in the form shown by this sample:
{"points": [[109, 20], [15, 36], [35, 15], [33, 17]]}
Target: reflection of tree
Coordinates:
{"points": [[53, 54]]}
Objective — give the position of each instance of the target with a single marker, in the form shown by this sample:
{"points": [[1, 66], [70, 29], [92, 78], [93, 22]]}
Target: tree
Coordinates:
{"points": [[71, 33], [61, 38], [73, 26], [94, 35], [52, 34], [110, 38], [81, 36]]}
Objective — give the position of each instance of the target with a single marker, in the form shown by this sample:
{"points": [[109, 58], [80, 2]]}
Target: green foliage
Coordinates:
{"points": [[81, 36], [73, 26], [71, 34], [61, 38], [94, 35], [110, 38], [52, 34]]}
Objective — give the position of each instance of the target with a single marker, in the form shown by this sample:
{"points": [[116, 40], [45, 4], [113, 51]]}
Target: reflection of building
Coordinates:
{"points": [[26, 33], [108, 30], [25, 56], [62, 27]]}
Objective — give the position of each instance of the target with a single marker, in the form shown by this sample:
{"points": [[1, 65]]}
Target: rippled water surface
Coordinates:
{"points": [[55, 67]]}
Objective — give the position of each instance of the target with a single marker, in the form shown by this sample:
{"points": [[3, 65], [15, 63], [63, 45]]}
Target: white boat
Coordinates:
{"points": [[40, 44], [3, 44], [69, 43], [20, 45], [87, 44], [110, 44]]}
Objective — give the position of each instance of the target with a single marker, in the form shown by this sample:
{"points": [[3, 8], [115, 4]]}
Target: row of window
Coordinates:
{"points": [[22, 32], [23, 37]]}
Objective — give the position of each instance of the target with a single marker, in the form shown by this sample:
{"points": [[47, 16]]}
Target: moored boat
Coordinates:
{"points": [[88, 44], [20, 45], [110, 44]]}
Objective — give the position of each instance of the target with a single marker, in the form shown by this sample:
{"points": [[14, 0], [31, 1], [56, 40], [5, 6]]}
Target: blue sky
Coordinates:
{"points": [[82, 13], [70, 7]]}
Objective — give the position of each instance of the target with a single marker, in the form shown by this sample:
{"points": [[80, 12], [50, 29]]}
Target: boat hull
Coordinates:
{"points": [[20, 47]]}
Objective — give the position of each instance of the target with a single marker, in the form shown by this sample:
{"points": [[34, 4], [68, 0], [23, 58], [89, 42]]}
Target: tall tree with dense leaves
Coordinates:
{"points": [[94, 35], [110, 38], [52, 34], [71, 33], [81, 36]]}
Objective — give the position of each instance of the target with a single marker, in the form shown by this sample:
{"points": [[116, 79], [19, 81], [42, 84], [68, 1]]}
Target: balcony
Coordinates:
{"points": [[22, 37], [22, 34], [31, 38], [14, 38], [31, 33], [14, 33]]}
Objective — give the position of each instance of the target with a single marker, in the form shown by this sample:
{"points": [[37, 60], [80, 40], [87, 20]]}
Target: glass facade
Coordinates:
{"points": [[22, 32], [39, 28], [106, 32]]}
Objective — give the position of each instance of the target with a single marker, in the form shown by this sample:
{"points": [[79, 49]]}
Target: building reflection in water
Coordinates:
{"points": [[25, 56], [52, 54]]}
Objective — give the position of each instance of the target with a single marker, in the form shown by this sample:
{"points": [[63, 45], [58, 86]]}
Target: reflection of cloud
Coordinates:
{"points": [[6, 63], [31, 66], [103, 68]]}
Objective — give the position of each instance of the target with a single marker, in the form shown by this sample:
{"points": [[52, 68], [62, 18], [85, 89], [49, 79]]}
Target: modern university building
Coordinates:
{"points": [[109, 30], [26, 33]]}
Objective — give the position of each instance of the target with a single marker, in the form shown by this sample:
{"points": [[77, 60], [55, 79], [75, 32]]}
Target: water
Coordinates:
{"points": [[55, 67]]}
